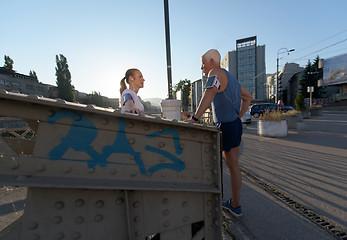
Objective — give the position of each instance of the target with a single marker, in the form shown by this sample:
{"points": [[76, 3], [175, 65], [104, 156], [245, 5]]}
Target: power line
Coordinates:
{"points": [[322, 40], [321, 49]]}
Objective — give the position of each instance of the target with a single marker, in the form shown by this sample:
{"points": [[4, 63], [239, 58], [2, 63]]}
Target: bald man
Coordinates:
{"points": [[225, 93]]}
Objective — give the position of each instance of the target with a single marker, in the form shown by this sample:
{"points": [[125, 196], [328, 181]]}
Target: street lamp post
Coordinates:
{"points": [[279, 97]]}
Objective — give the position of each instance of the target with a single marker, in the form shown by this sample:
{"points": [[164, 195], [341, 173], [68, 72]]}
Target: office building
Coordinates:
{"points": [[247, 63]]}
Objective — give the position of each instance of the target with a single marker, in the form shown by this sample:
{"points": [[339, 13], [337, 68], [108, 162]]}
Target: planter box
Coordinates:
{"points": [[306, 114], [316, 112], [268, 128], [299, 117], [292, 121]]}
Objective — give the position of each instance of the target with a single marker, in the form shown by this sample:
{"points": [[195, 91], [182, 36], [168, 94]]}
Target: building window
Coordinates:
{"points": [[4, 82], [29, 87], [16, 85]]}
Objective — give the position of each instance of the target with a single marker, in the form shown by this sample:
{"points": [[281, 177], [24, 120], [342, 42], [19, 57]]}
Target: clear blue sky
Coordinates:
{"points": [[102, 39]]}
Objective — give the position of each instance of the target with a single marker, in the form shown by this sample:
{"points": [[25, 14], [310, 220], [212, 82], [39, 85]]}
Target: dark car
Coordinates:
{"points": [[288, 108], [257, 109]]}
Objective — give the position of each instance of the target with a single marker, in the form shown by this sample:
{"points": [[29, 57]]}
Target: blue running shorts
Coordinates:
{"points": [[231, 134]]}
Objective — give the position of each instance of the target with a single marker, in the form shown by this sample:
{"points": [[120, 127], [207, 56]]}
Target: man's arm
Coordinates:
{"points": [[246, 100], [206, 101]]}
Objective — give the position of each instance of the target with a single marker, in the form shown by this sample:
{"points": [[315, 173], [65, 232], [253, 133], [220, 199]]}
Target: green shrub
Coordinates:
{"points": [[300, 102]]}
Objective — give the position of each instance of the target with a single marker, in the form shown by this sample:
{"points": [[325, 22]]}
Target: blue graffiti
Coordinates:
{"points": [[173, 133], [79, 138], [121, 145], [83, 132]]}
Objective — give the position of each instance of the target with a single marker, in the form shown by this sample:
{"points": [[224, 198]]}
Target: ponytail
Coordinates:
{"points": [[129, 72], [122, 85]]}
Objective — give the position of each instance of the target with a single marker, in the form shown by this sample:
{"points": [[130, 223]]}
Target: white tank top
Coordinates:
{"points": [[136, 99]]}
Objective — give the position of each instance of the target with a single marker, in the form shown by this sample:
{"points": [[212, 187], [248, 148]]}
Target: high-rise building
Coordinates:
{"points": [[247, 63]]}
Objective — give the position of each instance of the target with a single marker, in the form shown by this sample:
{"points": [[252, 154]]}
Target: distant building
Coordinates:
{"points": [[15, 82], [196, 94], [270, 92], [247, 63], [290, 87]]}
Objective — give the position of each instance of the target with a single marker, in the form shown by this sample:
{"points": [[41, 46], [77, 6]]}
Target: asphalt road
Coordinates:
{"points": [[309, 166]]}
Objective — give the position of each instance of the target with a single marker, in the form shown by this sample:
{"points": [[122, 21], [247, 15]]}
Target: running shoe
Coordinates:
{"points": [[236, 212]]}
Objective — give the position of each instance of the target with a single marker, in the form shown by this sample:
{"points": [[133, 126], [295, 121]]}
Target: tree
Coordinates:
{"points": [[311, 76], [300, 102], [96, 99], [184, 86], [65, 89], [32, 74], [8, 63]]}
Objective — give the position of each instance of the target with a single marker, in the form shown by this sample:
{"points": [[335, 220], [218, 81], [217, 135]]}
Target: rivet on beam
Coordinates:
{"points": [[131, 141], [162, 159], [165, 201], [210, 228], [31, 225], [136, 204], [207, 150], [161, 144], [137, 219], [133, 173], [34, 236], [98, 218], [13, 165], [62, 101], [91, 170], [216, 222], [67, 169], [185, 219], [58, 236], [185, 204], [167, 224], [59, 205], [130, 124], [57, 219], [76, 236], [166, 212], [208, 163], [119, 201], [79, 203], [196, 175], [209, 213], [99, 204], [40, 167], [113, 171], [79, 220], [104, 121], [138, 234]]}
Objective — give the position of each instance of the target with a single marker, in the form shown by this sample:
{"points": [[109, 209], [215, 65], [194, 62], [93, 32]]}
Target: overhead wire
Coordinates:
{"points": [[322, 49]]}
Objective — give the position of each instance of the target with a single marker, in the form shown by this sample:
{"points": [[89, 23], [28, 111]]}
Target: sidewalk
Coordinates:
{"points": [[265, 217], [309, 166]]}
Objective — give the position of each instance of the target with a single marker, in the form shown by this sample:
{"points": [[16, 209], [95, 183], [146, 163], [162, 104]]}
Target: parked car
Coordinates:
{"points": [[247, 118], [288, 108], [259, 108]]}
